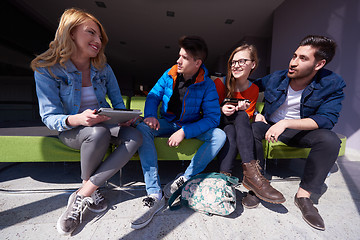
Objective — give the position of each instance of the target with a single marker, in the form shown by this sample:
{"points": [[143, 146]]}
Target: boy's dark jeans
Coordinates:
{"points": [[324, 144]]}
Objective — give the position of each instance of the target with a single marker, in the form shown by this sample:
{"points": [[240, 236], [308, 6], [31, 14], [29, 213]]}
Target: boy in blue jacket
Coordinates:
{"points": [[190, 108]]}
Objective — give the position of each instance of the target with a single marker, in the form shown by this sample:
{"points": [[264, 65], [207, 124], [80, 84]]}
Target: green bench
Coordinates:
{"points": [[39, 144], [277, 150], [28, 143]]}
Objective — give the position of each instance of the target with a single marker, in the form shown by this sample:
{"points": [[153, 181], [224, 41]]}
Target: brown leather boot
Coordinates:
{"points": [[250, 200], [255, 181]]}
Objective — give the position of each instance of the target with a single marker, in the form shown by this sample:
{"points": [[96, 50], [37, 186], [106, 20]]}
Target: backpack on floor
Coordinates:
{"points": [[209, 193]]}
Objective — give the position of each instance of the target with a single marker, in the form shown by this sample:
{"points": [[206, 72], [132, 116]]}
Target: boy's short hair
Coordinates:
{"points": [[325, 46], [195, 46]]}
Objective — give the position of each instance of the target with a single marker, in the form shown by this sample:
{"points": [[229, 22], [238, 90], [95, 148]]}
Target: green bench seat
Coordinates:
{"points": [[279, 150], [38, 144]]}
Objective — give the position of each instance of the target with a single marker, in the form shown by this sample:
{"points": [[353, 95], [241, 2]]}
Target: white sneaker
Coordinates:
{"points": [[150, 207], [172, 186], [99, 204]]}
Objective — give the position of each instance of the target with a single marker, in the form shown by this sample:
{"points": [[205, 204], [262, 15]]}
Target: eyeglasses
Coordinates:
{"points": [[241, 62]]}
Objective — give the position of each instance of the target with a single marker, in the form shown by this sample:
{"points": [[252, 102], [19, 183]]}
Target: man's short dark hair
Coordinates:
{"points": [[195, 46], [325, 47]]}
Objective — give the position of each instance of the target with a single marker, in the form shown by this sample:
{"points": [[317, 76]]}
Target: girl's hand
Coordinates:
{"points": [[260, 118], [242, 105], [86, 118], [128, 123], [228, 109]]}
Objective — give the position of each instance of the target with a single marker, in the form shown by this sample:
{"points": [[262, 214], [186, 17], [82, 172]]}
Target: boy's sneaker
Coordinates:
{"points": [[151, 206], [172, 186], [99, 203], [72, 216]]}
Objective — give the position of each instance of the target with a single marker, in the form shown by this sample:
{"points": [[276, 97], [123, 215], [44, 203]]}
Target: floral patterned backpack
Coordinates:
{"points": [[209, 193]]}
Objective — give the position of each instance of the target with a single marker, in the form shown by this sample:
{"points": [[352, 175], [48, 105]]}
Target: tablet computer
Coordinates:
{"points": [[119, 115]]}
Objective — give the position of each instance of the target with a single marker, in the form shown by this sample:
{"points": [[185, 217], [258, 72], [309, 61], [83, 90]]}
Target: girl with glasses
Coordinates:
{"points": [[238, 96]]}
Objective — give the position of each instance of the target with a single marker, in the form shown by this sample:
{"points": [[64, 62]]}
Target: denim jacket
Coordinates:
{"points": [[61, 96], [320, 100]]}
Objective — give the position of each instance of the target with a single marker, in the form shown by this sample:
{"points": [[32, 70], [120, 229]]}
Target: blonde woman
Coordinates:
{"points": [[238, 98], [72, 80]]}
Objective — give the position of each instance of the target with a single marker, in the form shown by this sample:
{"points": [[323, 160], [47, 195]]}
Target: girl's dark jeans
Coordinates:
{"points": [[239, 139]]}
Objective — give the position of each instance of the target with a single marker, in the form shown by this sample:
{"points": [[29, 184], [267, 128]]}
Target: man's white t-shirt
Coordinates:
{"points": [[290, 109]]}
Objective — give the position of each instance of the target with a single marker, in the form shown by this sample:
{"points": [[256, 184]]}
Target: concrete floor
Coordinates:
{"points": [[32, 213]]}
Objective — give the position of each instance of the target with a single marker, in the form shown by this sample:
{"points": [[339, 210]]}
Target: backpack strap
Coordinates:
{"points": [[174, 196]]}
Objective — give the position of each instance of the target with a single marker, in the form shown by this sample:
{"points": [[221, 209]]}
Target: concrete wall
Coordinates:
{"points": [[18, 100], [263, 46], [339, 20]]}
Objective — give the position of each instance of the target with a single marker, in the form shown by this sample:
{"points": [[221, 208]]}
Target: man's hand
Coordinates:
{"points": [[152, 122], [176, 138], [278, 128], [274, 131]]}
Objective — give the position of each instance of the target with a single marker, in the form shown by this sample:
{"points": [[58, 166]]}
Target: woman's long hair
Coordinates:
{"points": [[230, 80], [62, 47]]}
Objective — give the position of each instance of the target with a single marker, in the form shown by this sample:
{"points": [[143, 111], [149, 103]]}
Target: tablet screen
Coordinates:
{"points": [[119, 115]]}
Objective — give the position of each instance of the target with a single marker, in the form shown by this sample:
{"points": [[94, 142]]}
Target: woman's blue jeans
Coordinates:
{"points": [[213, 139]]}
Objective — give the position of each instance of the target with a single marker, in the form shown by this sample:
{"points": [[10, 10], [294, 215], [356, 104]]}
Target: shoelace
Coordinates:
{"points": [[79, 206], [258, 165], [97, 197], [180, 182], [259, 168], [148, 202]]}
